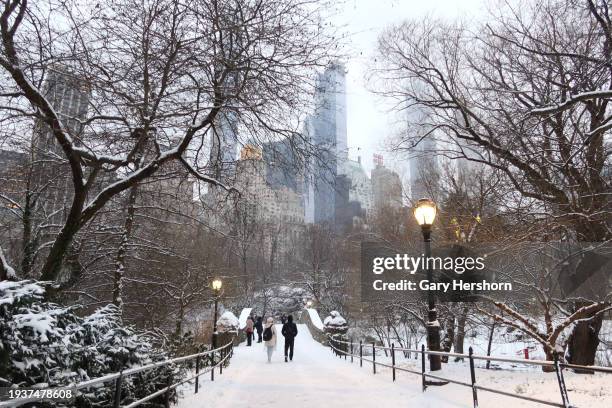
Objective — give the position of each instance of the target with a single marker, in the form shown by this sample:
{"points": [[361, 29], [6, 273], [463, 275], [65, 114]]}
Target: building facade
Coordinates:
{"points": [[69, 96], [386, 188]]}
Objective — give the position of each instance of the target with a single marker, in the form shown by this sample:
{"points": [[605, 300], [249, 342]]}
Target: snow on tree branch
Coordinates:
{"points": [[6, 271]]}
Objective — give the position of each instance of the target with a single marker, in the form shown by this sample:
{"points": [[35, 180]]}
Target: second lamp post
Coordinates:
{"points": [[216, 286], [425, 214]]}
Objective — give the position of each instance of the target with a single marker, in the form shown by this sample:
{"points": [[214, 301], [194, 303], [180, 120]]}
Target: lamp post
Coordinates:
{"points": [[216, 286], [425, 214]]}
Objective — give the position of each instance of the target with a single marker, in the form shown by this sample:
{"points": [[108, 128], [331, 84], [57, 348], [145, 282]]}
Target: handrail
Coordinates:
{"points": [[488, 358], [134, 370], [558, 366], [173, 386], [598, 369]]}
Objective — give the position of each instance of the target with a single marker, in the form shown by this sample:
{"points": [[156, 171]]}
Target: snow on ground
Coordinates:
{"points": [[588, 391], [318, 378], [313, 379]]}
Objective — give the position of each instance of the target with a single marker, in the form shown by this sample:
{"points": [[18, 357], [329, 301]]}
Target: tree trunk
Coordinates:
{"points": [[584, 338], [179, 320], [549, 357], [460, 338], [449, 335], [53, 264], [122, 251], [583, 343], [491, 332], [27, 244]]}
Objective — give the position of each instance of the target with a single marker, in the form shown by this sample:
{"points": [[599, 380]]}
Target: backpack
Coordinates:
{"points": [[267, 334]]}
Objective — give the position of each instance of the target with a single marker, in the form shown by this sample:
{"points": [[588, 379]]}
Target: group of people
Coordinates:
{"points": [[267, 333]]}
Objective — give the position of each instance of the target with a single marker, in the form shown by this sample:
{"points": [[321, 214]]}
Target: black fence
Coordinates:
{"points": [[223, 353], [356, 350]]}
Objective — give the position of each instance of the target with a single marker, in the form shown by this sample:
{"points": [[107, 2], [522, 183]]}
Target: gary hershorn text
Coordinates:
{"points": [[455, 285]]}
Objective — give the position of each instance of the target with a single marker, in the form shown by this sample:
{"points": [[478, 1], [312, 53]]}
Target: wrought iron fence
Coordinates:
{"points": [[349, 349], [225, 352]]}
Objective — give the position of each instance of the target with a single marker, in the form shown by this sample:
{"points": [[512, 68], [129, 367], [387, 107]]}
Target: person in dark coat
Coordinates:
{"points": [[259, 328], [289, 332]]}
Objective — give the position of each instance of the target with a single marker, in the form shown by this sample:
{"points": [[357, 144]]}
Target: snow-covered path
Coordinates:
{"points": [[315, 378]]}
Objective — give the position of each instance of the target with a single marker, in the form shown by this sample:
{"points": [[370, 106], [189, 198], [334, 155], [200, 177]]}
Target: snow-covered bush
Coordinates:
{"points": [[45, 344], [335, 322], [228, 322]]}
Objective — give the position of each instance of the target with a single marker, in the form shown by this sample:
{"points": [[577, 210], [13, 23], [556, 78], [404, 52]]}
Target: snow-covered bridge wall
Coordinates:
{"points": [[312, 320]]}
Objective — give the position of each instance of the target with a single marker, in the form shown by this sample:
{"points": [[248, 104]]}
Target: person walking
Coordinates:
{"points": [[289, 332], [269, 337], [259, 328], [249, 330]]}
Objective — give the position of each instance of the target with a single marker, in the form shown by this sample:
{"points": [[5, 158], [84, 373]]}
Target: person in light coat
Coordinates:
{"points": [[249, 330], [270, 344]]}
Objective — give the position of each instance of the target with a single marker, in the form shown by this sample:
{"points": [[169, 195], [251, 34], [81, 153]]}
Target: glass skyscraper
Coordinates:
{"points": [[329, 135]]}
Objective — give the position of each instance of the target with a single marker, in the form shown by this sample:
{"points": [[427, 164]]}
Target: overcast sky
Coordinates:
{"points": [[368, 119]]}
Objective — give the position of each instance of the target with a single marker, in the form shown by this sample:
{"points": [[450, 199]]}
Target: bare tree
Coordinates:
{"points": [[158, 71], [527, 94]]}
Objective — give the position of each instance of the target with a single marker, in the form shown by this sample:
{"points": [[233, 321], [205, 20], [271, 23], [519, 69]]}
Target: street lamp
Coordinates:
{"points": [[425, 213], [216, 286]]}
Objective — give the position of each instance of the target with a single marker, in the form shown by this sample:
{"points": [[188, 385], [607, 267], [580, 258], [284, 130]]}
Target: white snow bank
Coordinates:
{"points": [[315, 319], [228, 322], [246, 312]]}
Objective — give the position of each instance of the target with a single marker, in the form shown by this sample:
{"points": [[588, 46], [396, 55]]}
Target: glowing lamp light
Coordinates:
{"points": [[216, 284], [425, 212]]}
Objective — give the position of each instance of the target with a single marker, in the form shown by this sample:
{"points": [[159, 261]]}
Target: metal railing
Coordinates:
{"points": [[225, 353], [556, 365]]}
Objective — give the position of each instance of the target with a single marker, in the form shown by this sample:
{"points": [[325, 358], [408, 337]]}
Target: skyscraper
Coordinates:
{"points": [[69, 96], [423, 170], [423, 162], [224, 145], [308, 193], [329, 136]]}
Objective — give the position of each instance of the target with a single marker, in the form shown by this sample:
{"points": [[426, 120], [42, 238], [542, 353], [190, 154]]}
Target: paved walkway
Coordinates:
{"points": [[315, 378]]}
